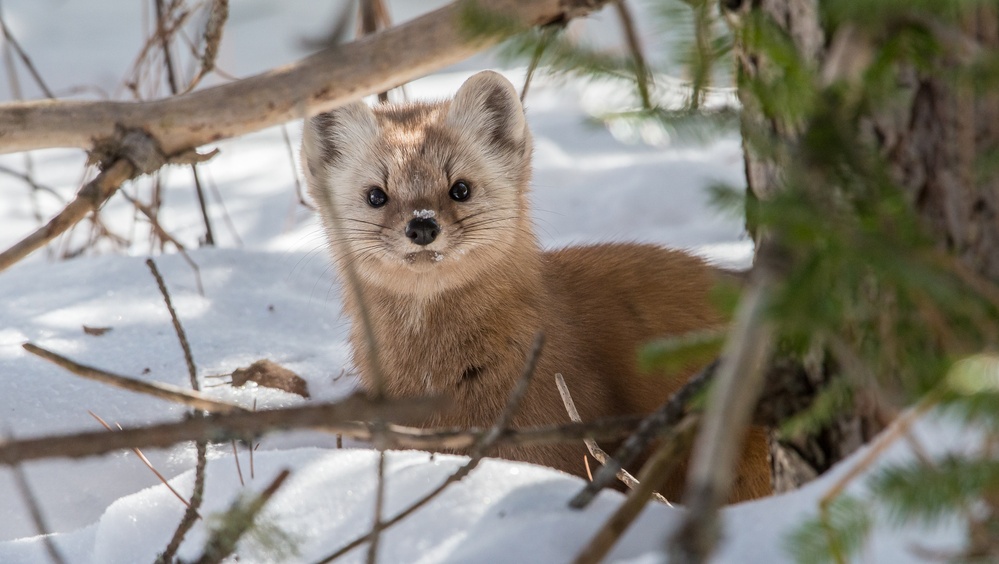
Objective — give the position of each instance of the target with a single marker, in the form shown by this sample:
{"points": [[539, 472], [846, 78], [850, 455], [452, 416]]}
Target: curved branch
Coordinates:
{"points": [[91, 197], [317, 83]]}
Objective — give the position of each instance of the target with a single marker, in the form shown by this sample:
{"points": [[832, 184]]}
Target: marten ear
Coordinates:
{"points": [[327, 136], [488, 105]]}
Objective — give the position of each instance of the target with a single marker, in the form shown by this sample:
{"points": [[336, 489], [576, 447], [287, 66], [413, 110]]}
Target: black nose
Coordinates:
{"points": [[422, 231]]}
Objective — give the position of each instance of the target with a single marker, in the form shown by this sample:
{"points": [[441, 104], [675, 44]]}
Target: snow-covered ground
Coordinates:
{"points": [[269, 293]]}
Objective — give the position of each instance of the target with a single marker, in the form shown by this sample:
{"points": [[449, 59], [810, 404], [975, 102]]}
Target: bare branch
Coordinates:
{"points": [[591, 445], [730, 407], [144, 460], [91, 197], [482, 446], [164, 234], [37, 519], [652, 476], [223, 541], [218, 15], [12, 41], [641, 70], [155, 389], [192, 372], [663, 418], [191, 513], [318, 83]]}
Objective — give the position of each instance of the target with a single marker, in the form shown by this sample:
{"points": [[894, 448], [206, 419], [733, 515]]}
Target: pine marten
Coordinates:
{"points": [[429, 204]]}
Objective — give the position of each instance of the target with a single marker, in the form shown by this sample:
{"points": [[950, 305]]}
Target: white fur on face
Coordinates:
{"points": [[415, 153]]}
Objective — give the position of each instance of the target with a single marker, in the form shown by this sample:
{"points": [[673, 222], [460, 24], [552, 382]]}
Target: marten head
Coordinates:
{"points": [[424, 197]]}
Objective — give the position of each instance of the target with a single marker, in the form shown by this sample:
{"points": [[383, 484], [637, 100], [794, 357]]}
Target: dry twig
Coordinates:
{"points": [[10, 40], [144, 460], [218, 15], [191, 513], [652, 476], [485, 443], [318, 83], [598, 453], [35, 511], [163, 234], [167, 392], [178, 328], [201, 446], [91, 197], [223, 541], [666, 416], [344, 417], [730, 407], [635, 46]]}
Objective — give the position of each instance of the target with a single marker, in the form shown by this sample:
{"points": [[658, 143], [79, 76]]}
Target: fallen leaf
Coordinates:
{"points": [[271, 375], [96, 331]]}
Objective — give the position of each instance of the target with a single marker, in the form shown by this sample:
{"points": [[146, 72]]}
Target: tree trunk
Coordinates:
{"points": [[935, 139]]}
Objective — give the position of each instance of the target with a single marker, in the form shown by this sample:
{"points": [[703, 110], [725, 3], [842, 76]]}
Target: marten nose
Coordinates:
{"points": [[422, 230]]}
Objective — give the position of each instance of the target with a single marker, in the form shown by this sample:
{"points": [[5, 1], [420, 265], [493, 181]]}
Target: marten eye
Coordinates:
{"points": [[377, 197], [459, 191]]}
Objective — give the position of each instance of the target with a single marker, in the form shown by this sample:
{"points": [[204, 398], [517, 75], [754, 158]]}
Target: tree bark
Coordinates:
{"points": [[934, 140]]}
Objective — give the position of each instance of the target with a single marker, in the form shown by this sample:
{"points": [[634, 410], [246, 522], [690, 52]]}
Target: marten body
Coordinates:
{"points": [[428, 203]]}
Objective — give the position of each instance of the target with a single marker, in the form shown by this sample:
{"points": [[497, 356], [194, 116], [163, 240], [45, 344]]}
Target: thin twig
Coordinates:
{"points": [[35, 511], [294, 169], [177, 327], [218, 15], [239, 470], [10, 40], [342, 417], [144, 460], [668, 415], [376, 529], [598, 453], [485, 443], [164, 234], [164, 38], [652, 475], [167, 392], [88, 199], [253, 447], [368, 25], [174, 90], [641, 70], [740, 379], [201, 446], [539, 50], [353, 282], [30, 181], [223, 541], [191, 513], [897, 430]]}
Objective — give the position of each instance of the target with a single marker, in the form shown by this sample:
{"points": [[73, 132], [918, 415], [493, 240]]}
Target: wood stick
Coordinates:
{"points": [[652, 476], [729, 411], [192, 371], [318, 83], [35, 512], [482, 447], [91, 197], [344, 417], [224, 539], [168, 392], [668, 415], [598, 453]]}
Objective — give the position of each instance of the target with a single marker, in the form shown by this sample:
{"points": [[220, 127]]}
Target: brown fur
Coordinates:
{"points": [[458, 316]]}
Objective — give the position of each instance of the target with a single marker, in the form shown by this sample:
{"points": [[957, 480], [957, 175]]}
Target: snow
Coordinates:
{"points": [[269, 292]]}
